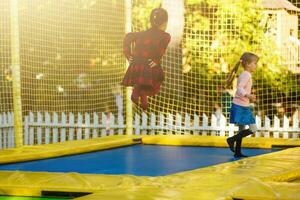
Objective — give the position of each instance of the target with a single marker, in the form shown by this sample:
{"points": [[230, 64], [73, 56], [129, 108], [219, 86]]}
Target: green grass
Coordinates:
{"points": [[28, 198]]}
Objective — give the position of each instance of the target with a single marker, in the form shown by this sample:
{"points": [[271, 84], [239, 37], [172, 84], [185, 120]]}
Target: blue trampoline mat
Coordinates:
{"points": [[140, 160]]}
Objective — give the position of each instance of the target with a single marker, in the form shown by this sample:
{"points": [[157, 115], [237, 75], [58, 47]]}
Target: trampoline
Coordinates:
{"points": [[139, 160], [165, 167]]}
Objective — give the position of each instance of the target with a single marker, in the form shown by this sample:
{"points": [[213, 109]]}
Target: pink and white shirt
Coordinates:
{"points": [[244, 85]]}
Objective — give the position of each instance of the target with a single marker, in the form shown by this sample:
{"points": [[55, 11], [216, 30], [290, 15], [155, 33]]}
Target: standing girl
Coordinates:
{"points": [[144, 51], [240, 113]]}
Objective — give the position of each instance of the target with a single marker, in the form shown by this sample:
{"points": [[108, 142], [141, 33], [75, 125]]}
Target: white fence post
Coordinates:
{"points": [[11, 129], [162, 122], [144, 123], [47, 129], [111, 123], [1, 136], [31, 129], [296, 125], [26, 129], [152, 124], [87, 124], [222, 126], [267, 127], [196, 126], [120, 123], [276, 127], [170, 122], [286, 127], [96, 125], [178, 122], [55, 129], [72, 126], [187, 123], [137, 124], [213, 124], [231, 130], [63, 127], [258, 124], [39, 128], [104, 124], [5, 138], [79, 125], [205, 124]]}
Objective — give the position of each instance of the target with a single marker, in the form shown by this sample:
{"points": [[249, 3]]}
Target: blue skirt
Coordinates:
{"points": [[241, 115]]}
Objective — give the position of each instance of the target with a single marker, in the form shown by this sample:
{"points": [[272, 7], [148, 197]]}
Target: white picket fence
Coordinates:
{"points": [[46, 128], [216, 127], [43, 128], [7, 139]]}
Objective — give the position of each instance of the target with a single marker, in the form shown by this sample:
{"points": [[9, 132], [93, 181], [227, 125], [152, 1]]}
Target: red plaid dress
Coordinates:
{"points": [[142, 46]]}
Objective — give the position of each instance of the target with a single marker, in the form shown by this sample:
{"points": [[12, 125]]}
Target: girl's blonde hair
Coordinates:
{"points": [[245, 59]]}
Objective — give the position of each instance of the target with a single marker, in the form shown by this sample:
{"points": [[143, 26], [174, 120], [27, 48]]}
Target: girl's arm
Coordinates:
{"points": [[129, 39], [162, 46], [243, 80]]}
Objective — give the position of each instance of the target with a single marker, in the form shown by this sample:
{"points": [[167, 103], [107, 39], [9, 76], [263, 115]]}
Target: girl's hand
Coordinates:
{"points": [[151, 63], [130, 60], [251, 97]]}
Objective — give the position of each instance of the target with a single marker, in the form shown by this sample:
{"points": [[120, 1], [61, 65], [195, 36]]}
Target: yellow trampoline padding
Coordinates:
{"points": [[37, 152], [155, 193], [217, 141], [251, 178], [267, 190], [33, 183]]}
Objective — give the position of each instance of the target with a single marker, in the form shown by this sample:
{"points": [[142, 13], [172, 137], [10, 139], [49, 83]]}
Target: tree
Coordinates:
{"points": [[222, 30]]}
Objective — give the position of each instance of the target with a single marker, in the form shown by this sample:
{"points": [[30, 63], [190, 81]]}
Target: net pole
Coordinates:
{"points": [[129, 116], [16, 77]]}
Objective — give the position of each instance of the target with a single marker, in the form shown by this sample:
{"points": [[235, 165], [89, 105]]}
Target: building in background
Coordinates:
{"points": [[281, 18]]}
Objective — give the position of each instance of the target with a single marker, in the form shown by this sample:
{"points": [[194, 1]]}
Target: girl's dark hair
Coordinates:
{"points": [[245, 59], [158, 17]]}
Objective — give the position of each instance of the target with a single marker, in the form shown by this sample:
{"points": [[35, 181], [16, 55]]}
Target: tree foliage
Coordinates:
{"points": [[218, 32]]}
